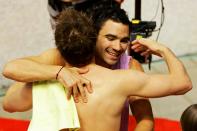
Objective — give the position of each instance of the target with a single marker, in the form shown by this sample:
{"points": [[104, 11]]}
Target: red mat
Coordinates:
{"points": [[22, 125], [13, 125], [161, 124]]}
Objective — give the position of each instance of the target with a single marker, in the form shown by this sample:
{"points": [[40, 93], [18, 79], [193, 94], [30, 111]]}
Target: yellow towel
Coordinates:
{"points": [[51, 109]]}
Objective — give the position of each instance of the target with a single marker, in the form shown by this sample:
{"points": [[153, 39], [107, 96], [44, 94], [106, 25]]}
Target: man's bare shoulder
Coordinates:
{"points": [[97, 71]]}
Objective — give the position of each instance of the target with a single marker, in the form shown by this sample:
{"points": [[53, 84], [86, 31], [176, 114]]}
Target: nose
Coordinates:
{"points": [[117, 45]]}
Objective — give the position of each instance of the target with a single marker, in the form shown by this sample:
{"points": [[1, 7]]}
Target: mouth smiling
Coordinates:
{"points": [[113, 54]]}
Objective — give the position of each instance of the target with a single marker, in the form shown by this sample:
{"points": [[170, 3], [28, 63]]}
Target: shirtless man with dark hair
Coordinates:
{"points": [[113, 87]]}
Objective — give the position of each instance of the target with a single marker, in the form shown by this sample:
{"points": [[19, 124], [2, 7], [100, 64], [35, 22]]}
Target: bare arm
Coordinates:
{"points": [[43, 67], [141, 107], [158, 85], [18, 97], [34, 68]]}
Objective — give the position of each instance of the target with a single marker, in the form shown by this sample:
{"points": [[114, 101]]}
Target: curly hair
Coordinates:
{"points": [[75, 37]]}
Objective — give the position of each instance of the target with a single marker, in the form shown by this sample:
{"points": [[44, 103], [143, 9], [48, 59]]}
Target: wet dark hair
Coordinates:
{"points": [[102, 12], [189, 118], [75, 37]]}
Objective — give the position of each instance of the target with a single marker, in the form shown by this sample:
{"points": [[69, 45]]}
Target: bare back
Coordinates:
{"points": [[103, 110]]}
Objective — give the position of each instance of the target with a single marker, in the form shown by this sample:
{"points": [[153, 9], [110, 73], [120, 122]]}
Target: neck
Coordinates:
{"points": [[70, 66], [100, 62]]}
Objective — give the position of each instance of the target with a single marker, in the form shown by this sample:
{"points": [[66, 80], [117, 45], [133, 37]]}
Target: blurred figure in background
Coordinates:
{"points": [[189, 118], [55, 7]]}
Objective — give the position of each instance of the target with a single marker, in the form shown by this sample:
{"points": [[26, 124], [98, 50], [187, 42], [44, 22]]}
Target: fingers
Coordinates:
{"points": [[139, 48], [77, 89], [89, 87], [75, 93], [71, 89], [146, 53], [134, 42], [87, 84], [141, 41], [135, 46], [76, 84], [69, 93], [146, 47], [82, 92]]}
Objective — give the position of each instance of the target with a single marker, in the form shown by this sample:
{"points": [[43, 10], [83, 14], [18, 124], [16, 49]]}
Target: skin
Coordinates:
{"points": [[111, 42], [109, 122], [143, 116], [108, 119], [96, 114]]}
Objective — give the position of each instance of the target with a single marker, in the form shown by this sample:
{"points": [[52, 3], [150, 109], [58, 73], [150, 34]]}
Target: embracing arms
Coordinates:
{"points": [[34, 68], [18, 97], [46, 66], [175, 82], [38, 68]]}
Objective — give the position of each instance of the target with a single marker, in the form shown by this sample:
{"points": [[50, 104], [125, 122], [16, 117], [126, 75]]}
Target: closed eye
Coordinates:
{"points": [[110, 37], [125, 40]]}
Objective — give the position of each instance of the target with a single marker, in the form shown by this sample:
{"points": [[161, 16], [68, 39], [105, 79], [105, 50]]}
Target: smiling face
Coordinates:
{"points": [[112, 41]]}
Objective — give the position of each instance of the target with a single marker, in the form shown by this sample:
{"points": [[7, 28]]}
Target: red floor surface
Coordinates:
{"points": [[161, 124], [13, 125], [22, 125]]}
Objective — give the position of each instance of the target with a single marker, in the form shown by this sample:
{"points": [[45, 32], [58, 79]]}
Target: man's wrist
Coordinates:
{"points": [[163, 50], [59, 72]]}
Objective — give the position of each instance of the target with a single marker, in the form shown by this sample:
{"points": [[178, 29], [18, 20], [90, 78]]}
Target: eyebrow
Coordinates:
{"points": [[114, 36], [111, 35]]}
